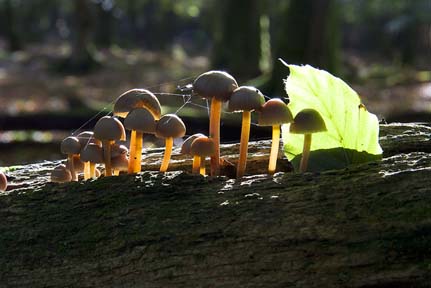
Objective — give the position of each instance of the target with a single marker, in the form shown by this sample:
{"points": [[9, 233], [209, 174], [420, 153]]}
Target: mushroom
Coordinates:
{"points": [[108, 129], [185, 149], [92, 153], [85, 138], [245, 99], [217, 86], [140, 121], [274, 113], [126, 102], [61, 174], [71, 147], [201, 148], [3, 181], [120, 163], [307, 122], [170, 126]]}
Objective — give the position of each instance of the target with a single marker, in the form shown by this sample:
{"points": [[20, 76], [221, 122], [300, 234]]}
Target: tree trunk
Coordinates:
{"points": [[364, 226], [13, 37]]}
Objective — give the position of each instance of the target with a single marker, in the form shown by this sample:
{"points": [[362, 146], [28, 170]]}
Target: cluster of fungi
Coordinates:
{"points": [[141, 111]]}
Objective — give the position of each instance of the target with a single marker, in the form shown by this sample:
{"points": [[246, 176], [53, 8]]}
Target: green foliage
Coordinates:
{"points": [[352, 135]]}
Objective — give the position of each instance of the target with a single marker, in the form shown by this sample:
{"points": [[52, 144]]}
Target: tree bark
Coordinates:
{"points": [[364, 226]]}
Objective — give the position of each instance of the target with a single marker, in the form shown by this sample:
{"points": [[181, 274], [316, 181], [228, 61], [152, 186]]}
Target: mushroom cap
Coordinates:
{"points": [[307, 121], [3, 181], [109, 128], [70, 145], [137, 98], [170, 125], [274, 112], [142, 120], [246, 98], [202, 146], [118, 150], [185, 148], [92, 153], [61, 174], [120, 162], [218, 84], [87, 137]]}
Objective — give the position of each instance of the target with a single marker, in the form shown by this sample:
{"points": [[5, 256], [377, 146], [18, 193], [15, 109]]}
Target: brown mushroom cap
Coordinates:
{"points": [[274, 112], [246, 98], [137, 98], [218, 84], [142, 120], [109, 128], [3, 181], [61, 174], [170, 125], [92, 153], [120, 162], [87, 137], [202, 146], [185, 148], [307, 121], [70, 145], [118, 150]]}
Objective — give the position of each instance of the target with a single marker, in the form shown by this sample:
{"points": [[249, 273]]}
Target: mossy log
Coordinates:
{"points": [[367, 225]]}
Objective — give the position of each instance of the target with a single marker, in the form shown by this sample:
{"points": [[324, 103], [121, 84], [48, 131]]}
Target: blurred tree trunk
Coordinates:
{"points": [[308, 35], [105, 26], [237, 37], [11, 28]]}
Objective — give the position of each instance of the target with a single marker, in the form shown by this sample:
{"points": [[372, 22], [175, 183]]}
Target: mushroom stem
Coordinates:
{"points": [[106, 145], [138, 152], [214, 132], [202, 167], [87, 170], [72, 167], [196, 164], [92, 170], [274, 148], [167, 156], [243, 146], [132, 152], [305, 153], [116, 172]]}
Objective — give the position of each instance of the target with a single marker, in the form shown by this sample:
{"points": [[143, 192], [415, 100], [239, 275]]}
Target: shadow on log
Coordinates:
{"points": [[365, 226]]}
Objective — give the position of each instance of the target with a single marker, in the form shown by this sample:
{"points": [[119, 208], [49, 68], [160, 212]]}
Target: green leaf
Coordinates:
{"points": [[353, 132]]}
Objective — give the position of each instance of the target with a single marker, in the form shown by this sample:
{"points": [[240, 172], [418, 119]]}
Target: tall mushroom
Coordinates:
{"points": [[274, 113], [245, 99], [140, 121], [92, 153], [126, 102], [307, 122], [201, 148], [108, 129], [169, 126], [85, 138], [71, 147], [185, 149], [218, 87]]}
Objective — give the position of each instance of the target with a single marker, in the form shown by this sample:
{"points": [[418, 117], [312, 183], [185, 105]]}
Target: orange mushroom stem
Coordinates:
{"points": [[196, 164], [167, 156], [274, 149], [305, 153], [106, 145], [243, 147], [214, 133]]}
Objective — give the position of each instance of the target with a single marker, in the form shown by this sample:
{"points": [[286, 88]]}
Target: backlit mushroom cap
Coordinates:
{"points": [[3, 181], [118, 150], [185, 148], [109, 128], [142, 120], [274, 112], [87, 137], [70, 145], [218, 84], [246, 98], [92, 153], [61, 174], [307, 121], [120, 163], [202, 146], [137, 98], [170, 125]]}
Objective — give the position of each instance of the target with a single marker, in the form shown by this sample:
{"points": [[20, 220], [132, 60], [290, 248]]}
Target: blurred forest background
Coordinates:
{"points": [[62, 63]]}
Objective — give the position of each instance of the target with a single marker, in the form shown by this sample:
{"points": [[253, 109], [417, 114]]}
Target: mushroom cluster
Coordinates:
{"points": [[141, 113]]}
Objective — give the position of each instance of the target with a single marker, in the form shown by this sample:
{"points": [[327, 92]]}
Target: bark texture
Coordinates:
{"points": [[364, 226]]}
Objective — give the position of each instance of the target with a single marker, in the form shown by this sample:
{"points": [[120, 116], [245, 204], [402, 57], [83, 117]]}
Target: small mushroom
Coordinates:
{"points": [[61, 174], [274, 113], [201, 148], [71, 147], [120, 163], [108, 130], [170, 126], [140, 121], [92, 153], [85, 138], [217, 86], [3, 181], [307, 122], [185, 149], [245, 99]]}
